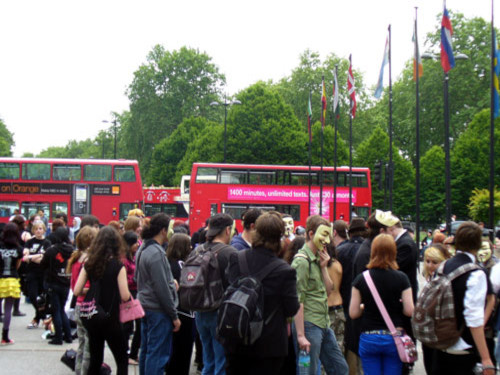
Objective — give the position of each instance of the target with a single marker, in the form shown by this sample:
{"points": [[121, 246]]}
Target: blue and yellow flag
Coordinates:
{"points": [[496, 87]]}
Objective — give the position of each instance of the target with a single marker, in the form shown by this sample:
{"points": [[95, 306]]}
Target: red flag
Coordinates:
{"points": [[350, 88]]}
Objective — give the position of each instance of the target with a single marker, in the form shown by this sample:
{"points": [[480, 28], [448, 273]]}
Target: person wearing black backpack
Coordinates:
{"points": [[267, 354]]}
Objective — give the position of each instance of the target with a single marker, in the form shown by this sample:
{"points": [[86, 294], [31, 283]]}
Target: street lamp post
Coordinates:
{"points": [[446, 109], [225, 104], [114, 133]]}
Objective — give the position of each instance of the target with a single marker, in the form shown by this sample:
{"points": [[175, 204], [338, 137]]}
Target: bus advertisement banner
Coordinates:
{"points": [[290, 195]]}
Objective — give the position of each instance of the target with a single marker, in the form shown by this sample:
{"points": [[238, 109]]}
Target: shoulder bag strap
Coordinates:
{"points": [[380, 304]]}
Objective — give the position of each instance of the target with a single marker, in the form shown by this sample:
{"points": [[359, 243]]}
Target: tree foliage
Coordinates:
{"points": [[6, 140], [468, 88], [470, 161], [432, 181], [479, 205], [172, 149], [168, 88], [375, 148]]}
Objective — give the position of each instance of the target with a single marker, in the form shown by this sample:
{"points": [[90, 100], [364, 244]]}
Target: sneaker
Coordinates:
{"points": [[55, 342], [132, 362], [32, 325], [18, 313], [7, 342]]}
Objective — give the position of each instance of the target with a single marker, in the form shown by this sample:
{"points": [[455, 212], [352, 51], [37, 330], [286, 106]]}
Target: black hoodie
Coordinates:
{"points": [[54, 263]]}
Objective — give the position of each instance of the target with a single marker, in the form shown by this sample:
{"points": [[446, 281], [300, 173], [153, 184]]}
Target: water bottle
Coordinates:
{"points": [[304, 362], [478, 369]]}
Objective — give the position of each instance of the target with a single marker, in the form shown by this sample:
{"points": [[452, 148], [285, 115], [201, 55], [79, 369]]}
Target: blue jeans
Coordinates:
{"points": [[379, 355], [58, 297], [214, 359], [324, 348], [156, 340]]}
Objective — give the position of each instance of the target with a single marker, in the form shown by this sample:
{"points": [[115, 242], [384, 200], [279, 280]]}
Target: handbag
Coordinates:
{"points": [[404, 344], [131, 310], [69, 358]]}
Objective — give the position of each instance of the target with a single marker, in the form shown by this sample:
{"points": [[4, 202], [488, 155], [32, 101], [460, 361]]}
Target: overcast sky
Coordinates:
{"points": [[65, 65]]}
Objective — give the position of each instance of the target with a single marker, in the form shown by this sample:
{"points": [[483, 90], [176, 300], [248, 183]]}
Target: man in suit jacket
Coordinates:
{"points": [[407, 254]]}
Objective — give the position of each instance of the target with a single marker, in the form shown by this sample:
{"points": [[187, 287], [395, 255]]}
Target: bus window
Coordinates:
{"points": [[327, 178], [125, 208], [262, 178], [302, 178], [7, 208], [67, 172], [341, 176], [290, 209], [235, 210], [29, 209], [359, 180], [363, 212], [124, 173], [181, 212], [36, 171], [206, 175], [233, 177], [96, 172], [213, 209], [9, 171], [59, 207]]}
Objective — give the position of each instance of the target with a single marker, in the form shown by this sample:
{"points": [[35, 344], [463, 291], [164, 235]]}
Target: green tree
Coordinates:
{"points": [[171, 150], [328, 147], [306, 77], [205, 147], [479, 205], [264, 130], [468, 87], [376, 147], [169, 87], [470, 161], [432, 191], [6, 140]]}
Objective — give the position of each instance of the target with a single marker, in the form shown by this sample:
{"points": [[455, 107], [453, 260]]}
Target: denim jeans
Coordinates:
{"points": [[58, 297], [324, 348], [379, 355], [156, 340], [214, 359]]}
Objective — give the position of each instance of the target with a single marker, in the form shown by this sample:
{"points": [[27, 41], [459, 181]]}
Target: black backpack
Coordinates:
{"points": [[240, 318]]}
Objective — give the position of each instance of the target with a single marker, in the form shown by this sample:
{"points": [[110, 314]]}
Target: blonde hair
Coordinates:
{"points": [[436, 252], [37, 224]]}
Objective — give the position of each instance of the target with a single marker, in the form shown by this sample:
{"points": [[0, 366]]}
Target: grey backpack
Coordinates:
{"points": [[434, 322], [200, 286]]}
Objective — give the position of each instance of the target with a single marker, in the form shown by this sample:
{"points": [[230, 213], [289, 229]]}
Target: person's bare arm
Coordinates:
{"points": [[302, 341]]}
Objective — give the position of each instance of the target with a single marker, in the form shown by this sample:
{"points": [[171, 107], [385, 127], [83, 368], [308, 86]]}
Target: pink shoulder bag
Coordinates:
{"points": [[406, 347], [131, 310]]}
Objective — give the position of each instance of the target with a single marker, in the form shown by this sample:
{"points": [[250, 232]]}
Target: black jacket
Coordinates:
{"points": [[407, 259], [280, 294], [345, 255], [54, 263]]}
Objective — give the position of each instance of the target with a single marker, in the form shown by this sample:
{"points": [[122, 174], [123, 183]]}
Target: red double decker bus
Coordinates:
{"points": [[167, 200], [233, 188], [107, 189]]}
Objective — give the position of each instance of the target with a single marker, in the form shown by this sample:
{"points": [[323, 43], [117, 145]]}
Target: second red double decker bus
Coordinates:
{"points": [[233, 188]]}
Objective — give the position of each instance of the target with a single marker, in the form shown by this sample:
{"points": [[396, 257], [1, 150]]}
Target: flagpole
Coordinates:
{"points": [[391, 169], [335, 122], [350, 150], [417, 135], [492, 131], [322, 137], [310, 139]]}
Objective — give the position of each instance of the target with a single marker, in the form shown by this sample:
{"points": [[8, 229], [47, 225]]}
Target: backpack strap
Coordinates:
{"points": [[468, 267], [300, 255], [261, 274]]}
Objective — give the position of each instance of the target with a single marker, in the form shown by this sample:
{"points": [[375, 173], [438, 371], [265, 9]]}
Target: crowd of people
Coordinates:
{"points": [[316, 299]]}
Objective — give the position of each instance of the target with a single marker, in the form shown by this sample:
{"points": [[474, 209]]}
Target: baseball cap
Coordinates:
{"points": [[217, 223]]}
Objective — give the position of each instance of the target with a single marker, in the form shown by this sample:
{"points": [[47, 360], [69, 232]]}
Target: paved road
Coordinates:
{"points": [[32, 355]]}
